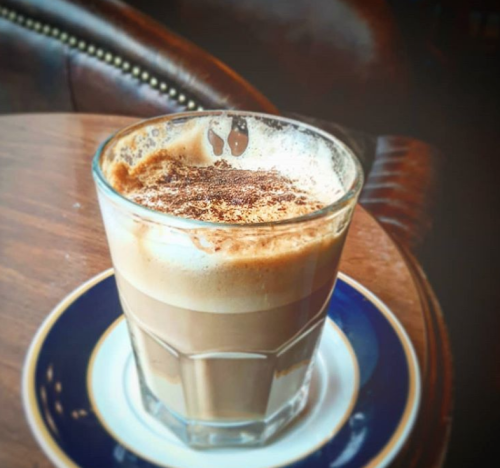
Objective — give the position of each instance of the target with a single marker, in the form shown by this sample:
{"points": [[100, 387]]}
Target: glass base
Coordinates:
{"points": [[207, 434]]}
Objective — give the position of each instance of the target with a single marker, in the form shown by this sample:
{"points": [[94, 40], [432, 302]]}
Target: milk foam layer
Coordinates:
{"points": [[195, 271], [192, 170]]}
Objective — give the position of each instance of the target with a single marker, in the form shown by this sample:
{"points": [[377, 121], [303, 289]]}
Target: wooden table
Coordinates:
{"points": [[52, 239]]}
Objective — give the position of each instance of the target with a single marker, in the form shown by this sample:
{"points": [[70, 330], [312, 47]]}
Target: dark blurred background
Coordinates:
{"points": [[454, 53]]}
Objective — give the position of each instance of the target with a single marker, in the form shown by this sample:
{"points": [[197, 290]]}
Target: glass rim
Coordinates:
{"points": [[166, 218]]}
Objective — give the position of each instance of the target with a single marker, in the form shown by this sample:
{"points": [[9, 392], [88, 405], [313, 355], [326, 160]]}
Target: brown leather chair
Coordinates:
{"points": [[105, 57]]}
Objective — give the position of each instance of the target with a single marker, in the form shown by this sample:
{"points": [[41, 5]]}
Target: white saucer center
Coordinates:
{"points": [[115, 393]]}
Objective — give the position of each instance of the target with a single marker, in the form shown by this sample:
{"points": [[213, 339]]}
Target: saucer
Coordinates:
{"points": [[81, 392]]}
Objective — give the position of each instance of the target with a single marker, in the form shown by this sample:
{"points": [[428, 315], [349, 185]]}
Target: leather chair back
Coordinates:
{"points": [[106, 57]]}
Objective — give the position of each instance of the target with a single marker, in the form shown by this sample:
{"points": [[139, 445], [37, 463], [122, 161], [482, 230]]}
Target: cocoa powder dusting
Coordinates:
{"points": [[218, 193]]}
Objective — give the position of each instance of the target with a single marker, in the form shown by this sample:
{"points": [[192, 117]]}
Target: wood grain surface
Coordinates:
{"points": [[52, 239]]}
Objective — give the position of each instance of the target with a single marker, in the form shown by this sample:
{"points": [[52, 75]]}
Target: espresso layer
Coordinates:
{"points": [[196, 332], [209, 366]]}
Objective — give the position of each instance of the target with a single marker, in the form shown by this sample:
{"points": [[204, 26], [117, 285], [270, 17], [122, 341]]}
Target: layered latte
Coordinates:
{"points": [[227, 263]]}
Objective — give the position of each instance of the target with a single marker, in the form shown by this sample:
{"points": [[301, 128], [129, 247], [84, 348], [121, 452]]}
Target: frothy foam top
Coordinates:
{"points": [[225, 169]]}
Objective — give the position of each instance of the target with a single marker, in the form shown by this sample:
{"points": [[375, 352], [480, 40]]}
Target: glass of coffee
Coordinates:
{"points": [[225, 230]]}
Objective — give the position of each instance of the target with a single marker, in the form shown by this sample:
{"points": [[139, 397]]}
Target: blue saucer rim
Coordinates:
{"points": [[61, 460], [30, 406]]}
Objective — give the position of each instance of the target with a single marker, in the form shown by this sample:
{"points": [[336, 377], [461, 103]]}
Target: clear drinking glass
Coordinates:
{"points": [[225, 319]]}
